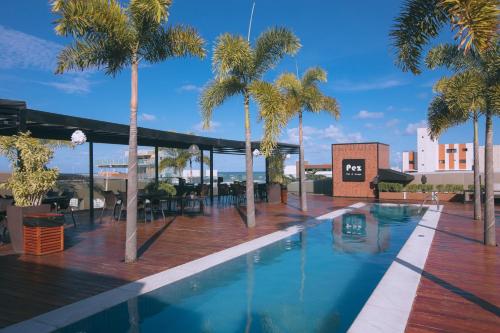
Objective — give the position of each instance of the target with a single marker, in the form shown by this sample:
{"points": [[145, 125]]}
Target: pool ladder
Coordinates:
{"points": [[433, 196]]}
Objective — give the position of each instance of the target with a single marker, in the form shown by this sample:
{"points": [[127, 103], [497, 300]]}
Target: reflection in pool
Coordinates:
{"points": [[315, 281]]}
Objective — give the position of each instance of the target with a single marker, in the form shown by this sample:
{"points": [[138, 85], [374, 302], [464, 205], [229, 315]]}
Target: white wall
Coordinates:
{"points": [[427, 152]]}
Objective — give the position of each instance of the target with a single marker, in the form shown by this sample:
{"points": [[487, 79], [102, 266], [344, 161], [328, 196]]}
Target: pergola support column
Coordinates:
{"points": [[91, 182], [156, 166], [211, 176], [201, 166]]}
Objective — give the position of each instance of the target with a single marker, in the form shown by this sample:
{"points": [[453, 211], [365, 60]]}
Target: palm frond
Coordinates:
{"points": [[99, 53], [418, 22], [82, 18], [271, 46], [465, 92], [313, 75], [232, 55], [178, 41], [440, 117], [215, 93], [147, 13], [331, 106], [450, 57], [289, 82], [475, 22], [272, 109]]}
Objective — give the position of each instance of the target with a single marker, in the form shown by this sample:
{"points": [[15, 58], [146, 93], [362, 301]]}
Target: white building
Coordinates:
{"points": [[431, 156]]}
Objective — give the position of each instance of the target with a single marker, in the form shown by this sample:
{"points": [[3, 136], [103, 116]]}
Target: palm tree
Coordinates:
{"points": [[475, 23], [236, 65], [468, 106], [474, 88], [109, 36], [290, 96], [178, 159]]}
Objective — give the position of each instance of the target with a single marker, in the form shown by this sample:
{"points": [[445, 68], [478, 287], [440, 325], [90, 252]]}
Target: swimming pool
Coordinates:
{"points": [[314, 281]]}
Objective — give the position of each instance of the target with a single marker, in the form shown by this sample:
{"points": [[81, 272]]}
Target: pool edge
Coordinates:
{"points": [[389, 306], [71, 313]]}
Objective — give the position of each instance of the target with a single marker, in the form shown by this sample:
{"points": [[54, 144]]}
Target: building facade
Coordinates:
{"points": [[431, 156]]}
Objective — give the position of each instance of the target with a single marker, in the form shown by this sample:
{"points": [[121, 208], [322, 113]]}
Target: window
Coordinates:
{"points": [[463, 161], [464, 149], [451, 150], [441, 161]]}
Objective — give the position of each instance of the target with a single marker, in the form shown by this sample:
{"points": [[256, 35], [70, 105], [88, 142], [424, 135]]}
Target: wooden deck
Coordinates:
{"points": [[93, 259], [459, 290], [460, 286]]}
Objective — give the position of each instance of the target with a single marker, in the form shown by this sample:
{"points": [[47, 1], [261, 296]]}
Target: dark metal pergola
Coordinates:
{"points": [[15, 117]]}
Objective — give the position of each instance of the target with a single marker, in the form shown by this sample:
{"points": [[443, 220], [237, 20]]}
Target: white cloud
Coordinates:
{"points": [[311, 135], [23, 51], [364, 86], [147, 117], [370, 126], [74, 84], [392, 122], [20, 50], [363, 114], [212, 128], [411, 128], [189, 88]]}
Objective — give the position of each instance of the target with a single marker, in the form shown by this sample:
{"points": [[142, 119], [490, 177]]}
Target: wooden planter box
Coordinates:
{"points": [[15, 223], [274, 193], [43, 233], [284, 195], [391, 195]]}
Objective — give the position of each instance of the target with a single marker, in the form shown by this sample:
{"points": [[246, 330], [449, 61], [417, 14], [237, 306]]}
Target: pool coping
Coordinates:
{"points": [[71, 313], [389, 306]]}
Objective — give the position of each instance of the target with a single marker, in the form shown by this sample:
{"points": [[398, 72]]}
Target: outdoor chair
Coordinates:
{"points": [[120, 206], [100, 204], [223, 194], [110, 200], [74, 204]]}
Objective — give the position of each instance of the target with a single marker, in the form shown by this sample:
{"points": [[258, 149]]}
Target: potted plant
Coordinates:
{"points": [[276, 189], [29, 182]]}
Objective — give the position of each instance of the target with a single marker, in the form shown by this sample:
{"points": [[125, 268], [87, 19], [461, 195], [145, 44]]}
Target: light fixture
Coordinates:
{"points": [[78, 137], [256, 153], [194, 149]]}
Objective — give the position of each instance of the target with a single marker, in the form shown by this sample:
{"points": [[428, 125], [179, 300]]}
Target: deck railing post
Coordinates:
{"points": [[211, 175], [91, 182]]}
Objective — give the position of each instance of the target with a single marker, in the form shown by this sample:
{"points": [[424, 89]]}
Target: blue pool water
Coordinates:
{"points": [[315, 281]]}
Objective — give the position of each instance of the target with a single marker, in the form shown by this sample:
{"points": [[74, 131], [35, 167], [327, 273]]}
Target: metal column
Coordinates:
{"points": [[211, 176], [156, 166], [91, 182], [201, 167]]}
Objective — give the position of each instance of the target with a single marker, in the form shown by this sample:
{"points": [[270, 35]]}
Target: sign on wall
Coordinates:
{"points": [[353, 170]]}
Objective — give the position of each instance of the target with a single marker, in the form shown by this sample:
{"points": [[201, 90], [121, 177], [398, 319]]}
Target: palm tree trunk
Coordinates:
{"points": [[131, 232], [477, 172], [249, 166], [302, 169], [489, 211]]}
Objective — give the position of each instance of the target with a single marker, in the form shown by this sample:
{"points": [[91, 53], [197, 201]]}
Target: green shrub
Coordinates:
{"points": [[419, 188], [390, 187], [163, 187], [450, 188]]}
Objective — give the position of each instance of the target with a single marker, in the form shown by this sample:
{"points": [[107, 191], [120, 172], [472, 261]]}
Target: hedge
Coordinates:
{"points": [[396, 187], [390, 187]]}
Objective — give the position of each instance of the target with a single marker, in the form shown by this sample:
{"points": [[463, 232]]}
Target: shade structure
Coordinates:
{"points": [[393, 176], [15, 116]]}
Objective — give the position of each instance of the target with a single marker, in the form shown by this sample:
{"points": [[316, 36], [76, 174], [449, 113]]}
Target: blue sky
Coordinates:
{"points": [[347, 38]]}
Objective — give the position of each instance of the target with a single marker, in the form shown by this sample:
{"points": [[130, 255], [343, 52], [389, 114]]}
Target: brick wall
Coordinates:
{"points": [[376, 155]]}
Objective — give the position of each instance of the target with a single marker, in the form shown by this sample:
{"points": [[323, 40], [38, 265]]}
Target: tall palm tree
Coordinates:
{"points": [[474, 88], [474, 21], [291, 96], [112, 37], [236, 65], [468, 106]]}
